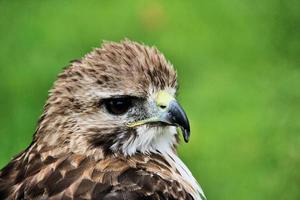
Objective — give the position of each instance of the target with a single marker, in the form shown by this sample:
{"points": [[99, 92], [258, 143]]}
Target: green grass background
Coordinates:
{"points": [[238, 64]]}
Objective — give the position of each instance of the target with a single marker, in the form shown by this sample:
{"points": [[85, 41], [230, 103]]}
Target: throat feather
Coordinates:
{"points": [[147, 140]]}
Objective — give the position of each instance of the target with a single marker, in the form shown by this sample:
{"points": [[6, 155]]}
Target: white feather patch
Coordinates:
{"points": [[161, 139], [149, 140], [186, 174]]}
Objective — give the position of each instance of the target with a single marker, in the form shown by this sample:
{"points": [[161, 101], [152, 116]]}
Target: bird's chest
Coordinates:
{"points": [[182, 174]]}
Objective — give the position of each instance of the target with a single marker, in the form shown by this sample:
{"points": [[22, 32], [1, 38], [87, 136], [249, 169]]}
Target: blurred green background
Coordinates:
{"points": [[239, 69]]}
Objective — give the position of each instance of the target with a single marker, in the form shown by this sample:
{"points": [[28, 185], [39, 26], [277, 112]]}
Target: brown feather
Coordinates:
{"points": [[71, 156], [77, 176]]}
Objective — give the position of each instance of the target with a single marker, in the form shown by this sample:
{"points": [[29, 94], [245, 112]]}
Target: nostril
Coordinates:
{"points": [[163, 106]]}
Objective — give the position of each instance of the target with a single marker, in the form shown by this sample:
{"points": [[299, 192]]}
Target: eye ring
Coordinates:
{"points": [[118, 106]]}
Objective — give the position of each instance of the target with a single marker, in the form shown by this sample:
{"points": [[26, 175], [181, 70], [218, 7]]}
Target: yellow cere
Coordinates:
{"points": [[163, 98]]}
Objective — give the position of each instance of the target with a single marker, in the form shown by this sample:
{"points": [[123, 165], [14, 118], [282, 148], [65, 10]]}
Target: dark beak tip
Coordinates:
{"points": [[178, 117], [186, 135]]}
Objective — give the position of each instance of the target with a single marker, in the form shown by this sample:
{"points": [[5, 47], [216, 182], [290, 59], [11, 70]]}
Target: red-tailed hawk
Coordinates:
{"points": [[108, 131]]}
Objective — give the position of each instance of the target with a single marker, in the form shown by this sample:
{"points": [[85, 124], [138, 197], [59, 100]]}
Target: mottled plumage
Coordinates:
{"points": [[107, 132]]}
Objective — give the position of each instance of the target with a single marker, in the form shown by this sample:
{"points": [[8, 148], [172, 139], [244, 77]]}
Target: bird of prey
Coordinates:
{"points": [[109, 130]]}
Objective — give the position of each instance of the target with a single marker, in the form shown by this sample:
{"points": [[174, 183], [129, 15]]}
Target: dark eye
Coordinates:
{"points": [[118, 106]]}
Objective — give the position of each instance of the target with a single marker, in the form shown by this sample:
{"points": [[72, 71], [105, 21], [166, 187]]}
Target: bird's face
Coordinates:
{"points": [[120, 99], [131, 123]]}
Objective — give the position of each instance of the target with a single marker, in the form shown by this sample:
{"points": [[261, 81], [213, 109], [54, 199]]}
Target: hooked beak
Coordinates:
{"points": [[175, 115], [171, 113]]}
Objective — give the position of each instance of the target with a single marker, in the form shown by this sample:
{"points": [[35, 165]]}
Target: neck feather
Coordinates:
{"points": [[149, 140]]}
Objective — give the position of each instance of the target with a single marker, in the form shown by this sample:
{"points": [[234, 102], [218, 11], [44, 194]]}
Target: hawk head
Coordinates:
{"points": [[119, 98]]}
